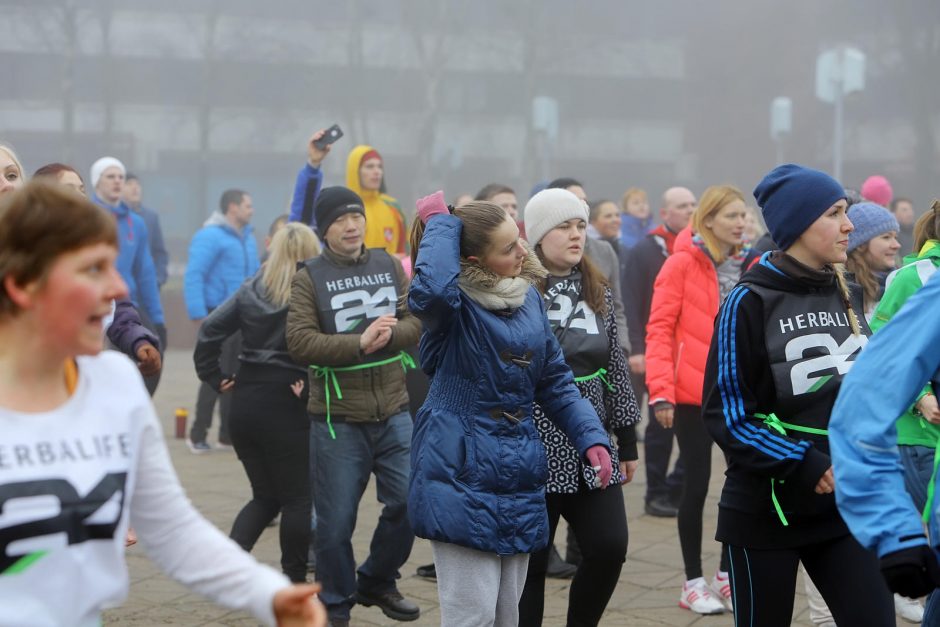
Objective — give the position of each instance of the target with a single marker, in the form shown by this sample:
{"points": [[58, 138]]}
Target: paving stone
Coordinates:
{"points": [[216, 483]]}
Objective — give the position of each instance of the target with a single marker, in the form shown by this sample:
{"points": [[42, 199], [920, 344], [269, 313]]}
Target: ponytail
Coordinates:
{"points": [[479, 217], [847, 299], [927, 227]]}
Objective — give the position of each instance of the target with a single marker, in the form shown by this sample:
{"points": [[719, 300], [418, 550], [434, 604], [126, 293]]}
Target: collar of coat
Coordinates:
{"points": [[495, 292], [341, 260]]}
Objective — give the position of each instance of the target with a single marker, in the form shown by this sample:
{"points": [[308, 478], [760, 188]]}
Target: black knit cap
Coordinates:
{"points": [[332, 203]]}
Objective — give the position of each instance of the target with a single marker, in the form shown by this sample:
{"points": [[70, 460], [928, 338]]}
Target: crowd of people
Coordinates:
{"points": [[496, 366]]}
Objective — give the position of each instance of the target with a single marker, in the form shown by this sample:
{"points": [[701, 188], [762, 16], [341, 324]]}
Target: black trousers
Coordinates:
{"points": [[657, 447], [206, 397], [271, 434], [600, 526], [763, 582], [695, 445]]}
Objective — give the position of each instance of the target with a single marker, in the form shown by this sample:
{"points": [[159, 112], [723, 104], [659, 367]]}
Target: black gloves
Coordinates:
{"points": [[911, 572]]}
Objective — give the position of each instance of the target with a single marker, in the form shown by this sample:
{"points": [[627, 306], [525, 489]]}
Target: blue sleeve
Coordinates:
{"points": [[882, 384], [201, 254], [145, 275], [557, 394], [306, 190], [127, 331], [254, 262], [434, 296], [161, 258]]}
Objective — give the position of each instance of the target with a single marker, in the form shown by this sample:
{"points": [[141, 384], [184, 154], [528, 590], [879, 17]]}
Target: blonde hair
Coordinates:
{"points": [[16, 161], [843, 285], [713, 200], [293, 243], [627, 195]]}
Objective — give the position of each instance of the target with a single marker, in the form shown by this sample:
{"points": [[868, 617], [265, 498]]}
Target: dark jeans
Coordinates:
{"points": [[600, 526], [341, 470], [271, 434], [763, 582], [206, 397], [696, 446]]}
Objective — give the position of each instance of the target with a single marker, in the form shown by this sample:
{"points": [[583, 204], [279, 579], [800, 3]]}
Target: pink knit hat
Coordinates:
{"points": [[878, 190]]}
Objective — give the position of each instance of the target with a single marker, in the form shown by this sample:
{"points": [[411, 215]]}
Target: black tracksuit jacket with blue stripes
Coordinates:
{"points": [[782, 345]]}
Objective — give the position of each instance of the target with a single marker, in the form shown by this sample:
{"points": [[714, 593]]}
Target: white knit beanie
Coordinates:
{"points": [[102, 164], [548, 209]]}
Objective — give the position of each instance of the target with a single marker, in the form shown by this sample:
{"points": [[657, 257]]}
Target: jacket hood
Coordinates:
{"points": [[218, 219], [353, 161], [684, 241], [532, 271], [765, 274], [931, 250], [120, 208]]}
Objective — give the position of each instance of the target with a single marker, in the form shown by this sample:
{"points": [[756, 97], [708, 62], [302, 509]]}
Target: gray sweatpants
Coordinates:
{"points": [[478, 589]]}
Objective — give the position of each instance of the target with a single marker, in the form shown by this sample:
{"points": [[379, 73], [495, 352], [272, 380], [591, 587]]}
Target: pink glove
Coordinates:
{"points": [[431, 206], [599, 457]]}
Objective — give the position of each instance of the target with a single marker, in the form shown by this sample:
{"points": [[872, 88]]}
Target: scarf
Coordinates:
{"points": [[494, 292], [729, 270]]}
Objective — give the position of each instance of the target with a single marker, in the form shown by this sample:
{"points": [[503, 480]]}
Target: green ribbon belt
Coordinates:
{"points": [[596, 375], [781, 427], [329, 378]]}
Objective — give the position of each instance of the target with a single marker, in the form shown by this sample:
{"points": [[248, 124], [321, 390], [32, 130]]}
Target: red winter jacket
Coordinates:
{"points": [[682, 319]]}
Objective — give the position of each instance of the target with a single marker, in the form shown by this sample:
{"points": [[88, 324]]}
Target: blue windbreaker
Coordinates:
{"points": [[885, 380], [134, 262]]}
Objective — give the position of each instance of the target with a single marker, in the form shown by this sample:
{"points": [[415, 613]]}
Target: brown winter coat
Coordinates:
{"points": [[370, 394]]}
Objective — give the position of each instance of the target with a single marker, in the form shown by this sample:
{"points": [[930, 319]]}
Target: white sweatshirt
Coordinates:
{"points": [[71, 478]]}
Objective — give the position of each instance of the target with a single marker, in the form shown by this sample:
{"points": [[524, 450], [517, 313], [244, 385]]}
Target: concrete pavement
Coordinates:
{"points": [[216, 483]]}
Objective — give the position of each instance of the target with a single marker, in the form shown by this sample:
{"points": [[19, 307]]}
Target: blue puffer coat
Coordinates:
{"points": [[220, 260], [478, 465]]}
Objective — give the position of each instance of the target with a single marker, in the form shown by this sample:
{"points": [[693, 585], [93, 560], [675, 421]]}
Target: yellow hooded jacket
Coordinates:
{"points": [[385, 223]]}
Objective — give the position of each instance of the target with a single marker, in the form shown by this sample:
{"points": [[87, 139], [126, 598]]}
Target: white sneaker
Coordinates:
{"points": [[909, 609], [697, 597], [721, 588]]}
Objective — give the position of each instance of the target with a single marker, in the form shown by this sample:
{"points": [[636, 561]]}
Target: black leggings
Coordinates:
{"points": [[763, 583], [695, 446], [271, 435], [600, 526]]}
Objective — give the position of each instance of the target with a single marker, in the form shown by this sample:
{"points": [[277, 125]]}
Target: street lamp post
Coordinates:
{"points": [[781, 122], [839, 72]]}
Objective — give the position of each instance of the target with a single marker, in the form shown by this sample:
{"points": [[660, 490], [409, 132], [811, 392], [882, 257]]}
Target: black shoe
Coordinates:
{"points": [[661, 508], [392, 604], [428, 571], [559, 568]]}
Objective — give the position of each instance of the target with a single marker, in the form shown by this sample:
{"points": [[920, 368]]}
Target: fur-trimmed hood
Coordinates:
{"points": [[483, 278]]}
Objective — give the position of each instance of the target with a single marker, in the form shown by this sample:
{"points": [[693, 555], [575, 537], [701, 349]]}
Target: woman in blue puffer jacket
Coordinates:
{"points": [[478, 465]]}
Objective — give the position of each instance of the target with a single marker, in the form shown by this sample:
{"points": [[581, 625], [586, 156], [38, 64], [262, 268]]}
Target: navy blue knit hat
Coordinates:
{"points": [[332, 203], [870, 221], [792, 197]]}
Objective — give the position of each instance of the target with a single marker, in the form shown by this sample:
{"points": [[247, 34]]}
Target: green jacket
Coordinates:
{"points": [[901, 285]]}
